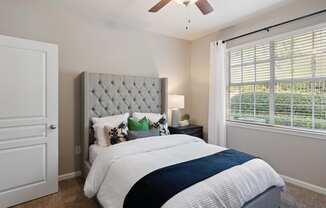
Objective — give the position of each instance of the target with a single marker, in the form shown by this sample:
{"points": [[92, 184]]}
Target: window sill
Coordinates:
{"points": [[278, 129]]}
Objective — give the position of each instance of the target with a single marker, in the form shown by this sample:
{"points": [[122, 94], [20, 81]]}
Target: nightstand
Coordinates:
{"points": [[192, 130]]}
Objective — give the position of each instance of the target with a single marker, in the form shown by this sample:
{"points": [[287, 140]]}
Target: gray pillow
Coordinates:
{"points": [[142, 134]]}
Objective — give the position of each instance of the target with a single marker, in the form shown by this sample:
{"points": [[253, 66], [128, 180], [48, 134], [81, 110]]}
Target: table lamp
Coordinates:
{"points": [[176, 102]]}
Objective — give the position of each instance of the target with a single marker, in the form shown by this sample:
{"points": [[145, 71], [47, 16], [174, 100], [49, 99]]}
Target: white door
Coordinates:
{"points": [[28, 120]]}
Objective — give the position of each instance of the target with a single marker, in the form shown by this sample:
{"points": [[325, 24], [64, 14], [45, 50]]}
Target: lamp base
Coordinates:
{"points": [[175, 118]]}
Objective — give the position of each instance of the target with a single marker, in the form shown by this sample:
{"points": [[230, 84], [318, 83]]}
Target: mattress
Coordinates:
{"points": [[94, 151]]}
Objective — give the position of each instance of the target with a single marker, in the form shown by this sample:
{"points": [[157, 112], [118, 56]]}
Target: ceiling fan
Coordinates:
{"points": [[203, 5]]}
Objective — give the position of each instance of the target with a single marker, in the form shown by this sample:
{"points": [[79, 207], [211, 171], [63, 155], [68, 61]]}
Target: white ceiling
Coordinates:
{"points": [[171, 20]]}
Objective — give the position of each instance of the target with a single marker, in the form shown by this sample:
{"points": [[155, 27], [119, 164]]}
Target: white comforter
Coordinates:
{"points": [[120, 166]]}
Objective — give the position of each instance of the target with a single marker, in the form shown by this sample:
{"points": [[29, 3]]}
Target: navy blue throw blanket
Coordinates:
{"points": [[156, 188]]}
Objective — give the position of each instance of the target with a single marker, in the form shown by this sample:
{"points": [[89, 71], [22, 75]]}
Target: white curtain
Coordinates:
{"points": [[217, 77]]}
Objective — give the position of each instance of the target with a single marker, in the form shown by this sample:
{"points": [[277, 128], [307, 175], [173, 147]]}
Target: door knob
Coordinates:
{"points": [[53, 127]]}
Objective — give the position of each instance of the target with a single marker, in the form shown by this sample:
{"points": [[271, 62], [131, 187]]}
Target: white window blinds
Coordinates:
{"points": [[280, 82]]}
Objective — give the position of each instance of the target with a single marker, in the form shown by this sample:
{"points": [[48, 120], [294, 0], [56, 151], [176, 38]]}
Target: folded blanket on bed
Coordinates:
{"points": [[118, 168], [156, 188]]}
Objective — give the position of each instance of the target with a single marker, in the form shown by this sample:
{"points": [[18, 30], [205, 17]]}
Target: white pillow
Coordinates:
{"points": [[109, 121], [153, 117]]}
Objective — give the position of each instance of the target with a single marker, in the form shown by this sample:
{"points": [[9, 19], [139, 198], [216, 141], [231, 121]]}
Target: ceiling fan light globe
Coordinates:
{"points": [[186, 2]]}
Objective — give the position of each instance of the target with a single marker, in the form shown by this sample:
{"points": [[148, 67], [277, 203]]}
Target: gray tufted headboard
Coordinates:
{"points": [[108, 94]]}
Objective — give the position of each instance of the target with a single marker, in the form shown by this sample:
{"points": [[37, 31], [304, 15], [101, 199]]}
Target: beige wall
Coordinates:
{"points": [[295, 156], [92, 45], [302, 158]]}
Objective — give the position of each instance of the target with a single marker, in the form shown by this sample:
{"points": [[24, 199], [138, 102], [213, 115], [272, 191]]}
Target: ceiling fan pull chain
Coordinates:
{"points": [[188, 20], [188, 24]]}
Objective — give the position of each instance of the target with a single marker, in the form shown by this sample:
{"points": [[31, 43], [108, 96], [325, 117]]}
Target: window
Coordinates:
{"points": [[280, 82]]}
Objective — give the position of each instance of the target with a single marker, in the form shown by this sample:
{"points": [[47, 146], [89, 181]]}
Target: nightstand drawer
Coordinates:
{"points": [[192, 130]]}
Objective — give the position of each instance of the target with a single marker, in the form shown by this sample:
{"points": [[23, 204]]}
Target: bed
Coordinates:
{"points": [[108, 169]]}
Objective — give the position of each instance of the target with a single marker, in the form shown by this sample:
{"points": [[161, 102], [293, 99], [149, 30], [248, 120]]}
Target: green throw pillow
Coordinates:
{"points": [[138, 125]]}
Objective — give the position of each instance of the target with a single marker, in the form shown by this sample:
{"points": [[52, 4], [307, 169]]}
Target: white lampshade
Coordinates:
{"points": [[176, 101]]}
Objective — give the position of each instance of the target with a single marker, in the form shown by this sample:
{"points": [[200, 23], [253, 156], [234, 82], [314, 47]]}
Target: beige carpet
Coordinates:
{"points": [[295, 197]]}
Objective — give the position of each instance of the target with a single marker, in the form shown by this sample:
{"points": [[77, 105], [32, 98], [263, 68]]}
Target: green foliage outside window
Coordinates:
{"points": [[302, 109]]}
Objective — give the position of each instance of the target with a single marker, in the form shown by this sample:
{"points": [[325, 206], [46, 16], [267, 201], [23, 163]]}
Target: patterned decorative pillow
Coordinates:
{"points": [[162, 125], [111, 121], [115, 135]]}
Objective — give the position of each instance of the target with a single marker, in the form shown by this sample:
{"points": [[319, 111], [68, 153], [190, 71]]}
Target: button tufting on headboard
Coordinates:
{"points": [[112, 92]]}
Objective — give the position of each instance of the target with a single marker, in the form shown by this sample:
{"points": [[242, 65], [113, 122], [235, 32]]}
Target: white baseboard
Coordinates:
{"points": [[71, 175], [305, 185]]}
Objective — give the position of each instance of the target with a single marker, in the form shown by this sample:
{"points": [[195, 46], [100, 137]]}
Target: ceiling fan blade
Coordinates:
{"points": [[159, 5], [204, 6]]}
